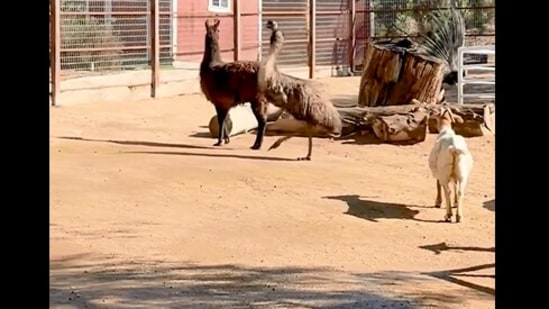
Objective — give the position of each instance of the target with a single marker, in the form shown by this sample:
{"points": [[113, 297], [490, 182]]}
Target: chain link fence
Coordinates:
{"points": [[113, 39]]}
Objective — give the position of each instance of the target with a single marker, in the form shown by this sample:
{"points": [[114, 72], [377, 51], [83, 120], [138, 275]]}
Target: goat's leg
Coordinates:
{"points": [[310, 149], [223, 135], [446, 188], [259, 109], [438, 200], [460, 189]]}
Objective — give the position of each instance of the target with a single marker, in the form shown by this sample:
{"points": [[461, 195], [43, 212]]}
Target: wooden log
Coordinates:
{"points": [[241, 119], [393, 75], [478, 120], [410, 127], [401, 123]]}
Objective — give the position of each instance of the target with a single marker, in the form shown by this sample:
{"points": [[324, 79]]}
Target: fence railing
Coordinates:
{"points": [[150, 43]]}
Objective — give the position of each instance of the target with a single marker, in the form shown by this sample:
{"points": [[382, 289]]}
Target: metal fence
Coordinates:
{"points": [[134, 43]]}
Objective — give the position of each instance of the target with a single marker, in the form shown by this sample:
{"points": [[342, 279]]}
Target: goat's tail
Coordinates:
{"points": [[456, 151]]}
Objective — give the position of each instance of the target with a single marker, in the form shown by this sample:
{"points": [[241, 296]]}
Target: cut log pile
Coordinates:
{"points": [[398, 92]]}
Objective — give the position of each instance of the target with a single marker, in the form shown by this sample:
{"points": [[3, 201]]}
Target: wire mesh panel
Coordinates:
{"points": [[103, 36], [291, 16], [332, 33], [390, 19], [110, 35]]}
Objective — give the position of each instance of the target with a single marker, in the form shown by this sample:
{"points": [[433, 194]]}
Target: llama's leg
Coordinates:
{"points": [[446, 188], [438, 200], [221, 116], [460, 189], [259, 109], [310, 149]]}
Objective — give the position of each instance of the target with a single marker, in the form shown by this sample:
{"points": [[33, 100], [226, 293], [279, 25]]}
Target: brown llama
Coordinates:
{"points": [[226, 85], [299, 97]]}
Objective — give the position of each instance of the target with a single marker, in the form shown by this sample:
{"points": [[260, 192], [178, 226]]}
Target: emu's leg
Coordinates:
{"points": [[223, 134], [280, 141], [259, 109], [438, 200], [460, 189], [448, 216], [310, 149]]}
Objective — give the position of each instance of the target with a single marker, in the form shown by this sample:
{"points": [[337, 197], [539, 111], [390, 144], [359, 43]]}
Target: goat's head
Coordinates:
{"points": [[212, 28], [444, 117], [272, 25]]}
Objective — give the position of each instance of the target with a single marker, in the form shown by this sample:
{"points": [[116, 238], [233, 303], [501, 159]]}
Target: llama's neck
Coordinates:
{"points": [[211, 51]]}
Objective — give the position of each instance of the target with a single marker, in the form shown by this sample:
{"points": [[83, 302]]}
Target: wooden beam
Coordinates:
{"points": [[155, 46], [312, 38], [55, 50], [236, 29]]}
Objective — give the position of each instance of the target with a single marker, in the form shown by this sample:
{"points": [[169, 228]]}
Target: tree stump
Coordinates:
{"points": [[393, 75]]}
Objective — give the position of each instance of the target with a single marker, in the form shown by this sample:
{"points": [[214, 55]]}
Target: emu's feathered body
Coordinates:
{"points": [[301, 98], [229, 84]]}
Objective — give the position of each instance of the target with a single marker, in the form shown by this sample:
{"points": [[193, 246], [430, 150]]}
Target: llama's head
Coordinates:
{"points": [[272, 25], [444, 117], [212, 29]]}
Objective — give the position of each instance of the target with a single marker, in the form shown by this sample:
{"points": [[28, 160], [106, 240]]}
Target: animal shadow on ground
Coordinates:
{"points": [[373, 210], [490, 205], [201, 135], [214, 155], [135, 143]]}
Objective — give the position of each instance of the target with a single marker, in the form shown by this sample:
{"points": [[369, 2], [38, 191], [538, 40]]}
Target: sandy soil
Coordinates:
{"points": [[146, 214]]}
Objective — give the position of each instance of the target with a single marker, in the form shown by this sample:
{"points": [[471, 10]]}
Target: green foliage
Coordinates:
{"points": [[81, 31], [411, 16]]}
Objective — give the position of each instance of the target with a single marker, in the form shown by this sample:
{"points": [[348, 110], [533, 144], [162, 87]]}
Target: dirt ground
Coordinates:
{"points": [[145, 213]]}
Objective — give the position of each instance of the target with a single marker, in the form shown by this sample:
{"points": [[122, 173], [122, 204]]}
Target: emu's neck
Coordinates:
{"points": [[211, 51]]}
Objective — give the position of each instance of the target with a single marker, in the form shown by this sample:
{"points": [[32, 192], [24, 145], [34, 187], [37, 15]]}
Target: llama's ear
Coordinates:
{"points": [[207, 23], [216, 23]]}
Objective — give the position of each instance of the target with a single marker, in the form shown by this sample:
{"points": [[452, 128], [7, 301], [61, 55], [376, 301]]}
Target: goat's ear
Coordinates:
{"points": [[457, 118]]}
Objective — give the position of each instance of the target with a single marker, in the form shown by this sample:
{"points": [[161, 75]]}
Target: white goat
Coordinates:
{"points": [[450, 162]]}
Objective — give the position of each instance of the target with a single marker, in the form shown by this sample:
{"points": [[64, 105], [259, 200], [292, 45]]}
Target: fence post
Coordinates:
{"points": [[236, 29], [352, 35], [312, 38], [55, 49], [154, 29]]}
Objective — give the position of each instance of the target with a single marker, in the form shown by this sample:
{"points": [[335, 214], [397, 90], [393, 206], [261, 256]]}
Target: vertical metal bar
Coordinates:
{"points": [[174, 34], [312, 38], [155, 46], [260, 30], [371, 19], [55, 52], [236, 29], [352, 34], [460, 76]]}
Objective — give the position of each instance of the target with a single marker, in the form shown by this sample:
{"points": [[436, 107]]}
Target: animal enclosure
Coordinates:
{"points": [[152, 43]]}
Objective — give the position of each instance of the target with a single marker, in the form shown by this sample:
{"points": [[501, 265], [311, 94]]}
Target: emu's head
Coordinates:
{"points": [[445, 117], [212, 29], [272, 25]]}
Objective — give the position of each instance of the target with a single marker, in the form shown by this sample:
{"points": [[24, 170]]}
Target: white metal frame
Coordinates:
{"points": [[479, 50], [218, 8]]}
